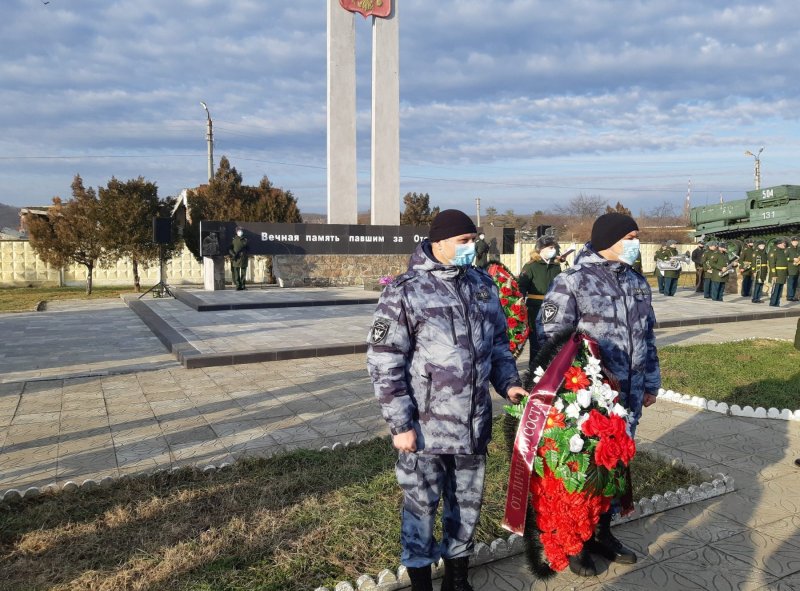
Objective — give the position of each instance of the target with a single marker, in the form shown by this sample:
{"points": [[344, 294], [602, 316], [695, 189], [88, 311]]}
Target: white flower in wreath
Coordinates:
{"points": [[537, 374], [619, 410], [573, 410], [575, 443], [604, 395], [582, 419], [598, 395], [559, 405], [592, 368], [584, 398]]}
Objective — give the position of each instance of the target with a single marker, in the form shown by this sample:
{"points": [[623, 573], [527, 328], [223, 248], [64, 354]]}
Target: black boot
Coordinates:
{"points": [[610, 547], [582, 564], [420, 578], [455, 574]]}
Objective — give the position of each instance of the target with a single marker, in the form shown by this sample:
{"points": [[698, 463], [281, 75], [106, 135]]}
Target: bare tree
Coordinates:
{"points": [[664, 211], [584, 206]]}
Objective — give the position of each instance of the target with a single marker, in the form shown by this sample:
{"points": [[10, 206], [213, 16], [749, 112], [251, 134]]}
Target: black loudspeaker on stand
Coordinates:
{"points": [[162, 234]]}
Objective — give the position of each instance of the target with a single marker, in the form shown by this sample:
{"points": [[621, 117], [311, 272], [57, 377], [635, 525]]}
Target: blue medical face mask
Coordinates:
{"points": [[630, 251], [465, 254]]}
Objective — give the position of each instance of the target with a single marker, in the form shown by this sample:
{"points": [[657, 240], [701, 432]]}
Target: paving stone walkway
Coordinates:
{"points": [[314, 329], [117, 404]]}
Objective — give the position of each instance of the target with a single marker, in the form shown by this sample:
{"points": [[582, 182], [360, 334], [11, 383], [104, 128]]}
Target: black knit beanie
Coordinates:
{"points": [[610, 228], [449, 223]]}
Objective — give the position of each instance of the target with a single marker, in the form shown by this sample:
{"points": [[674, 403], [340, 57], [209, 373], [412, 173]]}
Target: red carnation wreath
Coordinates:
{"points": [[513, 306], [570, 455]]}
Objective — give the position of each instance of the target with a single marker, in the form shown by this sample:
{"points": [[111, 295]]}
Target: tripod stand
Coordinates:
{"points": [[160, 289]]}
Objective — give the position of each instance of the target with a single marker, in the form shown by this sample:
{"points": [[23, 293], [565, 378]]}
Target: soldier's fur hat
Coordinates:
{"points": [[780, 240], [544, 242], [795, 238]]}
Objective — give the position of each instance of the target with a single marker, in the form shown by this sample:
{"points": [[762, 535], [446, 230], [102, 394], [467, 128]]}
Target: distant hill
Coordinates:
{"points": [[9, 216]]}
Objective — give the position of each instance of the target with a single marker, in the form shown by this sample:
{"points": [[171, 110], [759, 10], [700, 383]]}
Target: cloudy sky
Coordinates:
{"points": [[524, 103]]}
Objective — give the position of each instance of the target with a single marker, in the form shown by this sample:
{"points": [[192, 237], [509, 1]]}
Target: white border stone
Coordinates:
{"points": [[515, 544], [733, 410]]}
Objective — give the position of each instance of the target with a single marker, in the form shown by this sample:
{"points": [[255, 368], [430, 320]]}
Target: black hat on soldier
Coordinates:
{"points": [[545, 241], [449, 223], [760, 243], [610, 228], [795, 238], [780, 240], [748, 240]]}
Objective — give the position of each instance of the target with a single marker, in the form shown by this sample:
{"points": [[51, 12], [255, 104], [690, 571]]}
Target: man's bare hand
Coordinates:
{"points": [[406, 442], [515, 394], [649, 399]]}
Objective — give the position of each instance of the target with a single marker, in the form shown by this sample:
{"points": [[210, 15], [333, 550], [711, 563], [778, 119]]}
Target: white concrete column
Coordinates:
{"points": [[342, 173], [213, 273], [386, 119]]}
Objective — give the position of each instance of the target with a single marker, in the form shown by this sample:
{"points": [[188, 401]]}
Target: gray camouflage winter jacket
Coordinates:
{"points": [[612, 303], [438, 338]]}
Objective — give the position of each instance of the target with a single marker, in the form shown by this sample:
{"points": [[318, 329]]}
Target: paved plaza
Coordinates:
{"points": [[88, 391]]}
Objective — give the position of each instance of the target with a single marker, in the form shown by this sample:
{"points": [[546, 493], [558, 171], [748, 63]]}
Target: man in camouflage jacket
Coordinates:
{"points": [[437, 341], [604, 297]]}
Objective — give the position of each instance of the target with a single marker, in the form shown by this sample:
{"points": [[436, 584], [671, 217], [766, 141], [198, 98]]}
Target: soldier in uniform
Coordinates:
{"points": [[746, 267], [671, 277], [760, 267], [697, 259], [714, 266], [710, 252], [778, 271], [637, 264], [238, 254], [438, 338], [793, 255], [481, 252], [662, 254], [534, 281], [602, 296], [719, 264]]}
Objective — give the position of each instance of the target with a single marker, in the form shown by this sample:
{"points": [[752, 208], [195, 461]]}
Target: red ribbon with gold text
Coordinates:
{"points": [[529, 432]]}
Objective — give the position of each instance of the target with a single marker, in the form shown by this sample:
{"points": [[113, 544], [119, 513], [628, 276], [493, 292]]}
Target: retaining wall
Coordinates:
{"points": [[19, 266]]}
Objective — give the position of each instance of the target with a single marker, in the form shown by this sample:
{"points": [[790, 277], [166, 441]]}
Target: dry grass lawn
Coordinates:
{"points": [[289, 523]]}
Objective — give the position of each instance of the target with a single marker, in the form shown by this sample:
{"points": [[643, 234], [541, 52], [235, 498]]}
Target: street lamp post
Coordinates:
{"points": [[210, 140], [757, 158]]}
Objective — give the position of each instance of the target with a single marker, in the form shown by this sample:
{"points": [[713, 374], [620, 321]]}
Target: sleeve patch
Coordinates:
{"points": [[379, 331], [549, 312]]}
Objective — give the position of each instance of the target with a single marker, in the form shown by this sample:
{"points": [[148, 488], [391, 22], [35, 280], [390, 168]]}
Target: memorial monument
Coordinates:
{"points": [[385, 154]]}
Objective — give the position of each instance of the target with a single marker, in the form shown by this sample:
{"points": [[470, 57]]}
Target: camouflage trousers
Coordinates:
{"points": [[424, 480]]}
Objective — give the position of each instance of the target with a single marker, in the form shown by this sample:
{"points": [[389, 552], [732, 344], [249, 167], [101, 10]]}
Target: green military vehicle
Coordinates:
{"points": [[764, 215]]}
